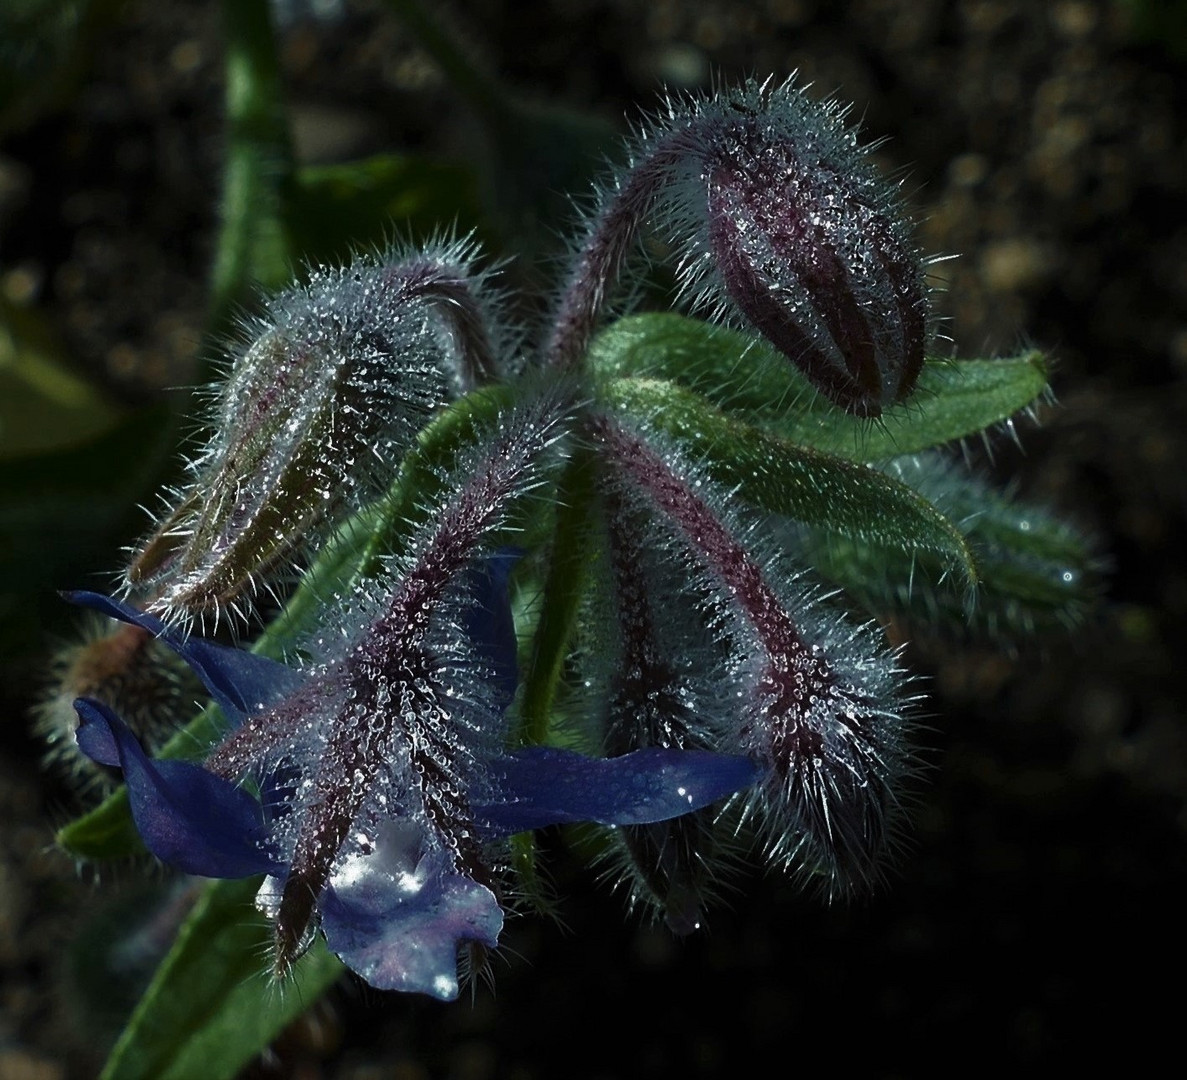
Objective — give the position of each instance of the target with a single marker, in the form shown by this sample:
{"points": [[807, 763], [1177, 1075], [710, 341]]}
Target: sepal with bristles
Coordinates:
{"points": [[654, 673], [815, 701], [1035, 571], [336, 379], [778, 220]]}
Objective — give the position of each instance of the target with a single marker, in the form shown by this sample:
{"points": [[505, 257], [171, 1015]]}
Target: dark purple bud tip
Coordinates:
{"points": [[810, 245], [777, 216]]}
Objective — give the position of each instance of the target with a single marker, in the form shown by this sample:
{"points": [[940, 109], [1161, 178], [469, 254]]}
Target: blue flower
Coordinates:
{"points": [[374, 787]]}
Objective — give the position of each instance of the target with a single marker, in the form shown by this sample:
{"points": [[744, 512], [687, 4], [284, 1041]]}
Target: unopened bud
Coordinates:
{"points": [[809, 244], [777, 217], [125, 668], [319, 408]]}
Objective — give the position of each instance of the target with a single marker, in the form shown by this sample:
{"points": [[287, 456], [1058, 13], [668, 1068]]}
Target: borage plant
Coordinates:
{"points": [[624, 571]]}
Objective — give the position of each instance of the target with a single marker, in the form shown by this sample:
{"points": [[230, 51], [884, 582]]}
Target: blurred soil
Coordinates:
{"points": [[1044, 143]]}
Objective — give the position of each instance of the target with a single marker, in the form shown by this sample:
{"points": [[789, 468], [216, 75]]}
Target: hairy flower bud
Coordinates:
{"points": [[650, 700], [814, 703], [127, 669], [809, 245], [777, 217], [340, 375]]}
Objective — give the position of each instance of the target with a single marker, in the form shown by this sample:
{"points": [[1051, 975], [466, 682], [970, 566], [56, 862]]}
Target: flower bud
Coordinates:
{"points": [[809, 245], [128, 670], [318, 410], [777, 218], [806, 696]]}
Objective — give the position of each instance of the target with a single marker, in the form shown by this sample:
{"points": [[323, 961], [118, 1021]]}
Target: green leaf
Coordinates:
{"points": [[564, 588], [1036, 572], [953, 400], [212, 1007], [735, 371], [803, 484], [106, 832], [740, 373], [44, 404]]}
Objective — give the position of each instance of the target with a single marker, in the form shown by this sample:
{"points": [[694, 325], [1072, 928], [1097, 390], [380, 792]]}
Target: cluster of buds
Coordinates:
{"points": [[375, 778]]}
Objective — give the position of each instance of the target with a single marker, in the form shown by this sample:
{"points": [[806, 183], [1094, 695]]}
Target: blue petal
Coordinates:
{"points": [[396, 916], [241, 682], [489, 623], [541, 785], [187, 817]]}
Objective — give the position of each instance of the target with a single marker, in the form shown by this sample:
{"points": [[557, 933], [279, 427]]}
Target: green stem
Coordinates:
{"points": [[254, 243], [562, 598]]}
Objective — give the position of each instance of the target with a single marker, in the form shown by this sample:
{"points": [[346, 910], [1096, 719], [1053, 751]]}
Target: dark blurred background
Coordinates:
{"points": [[1036, 916]]}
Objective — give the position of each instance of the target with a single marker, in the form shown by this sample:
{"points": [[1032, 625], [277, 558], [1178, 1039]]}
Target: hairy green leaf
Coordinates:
{"points": [[212, 1006], [1036, 572], [740, 373], [772, 474]]}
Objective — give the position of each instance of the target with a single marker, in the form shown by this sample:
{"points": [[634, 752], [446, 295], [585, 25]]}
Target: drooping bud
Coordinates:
{"points": [[814, 703], [650, 701], [339, 376], [404, 717], [778, 218]]}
